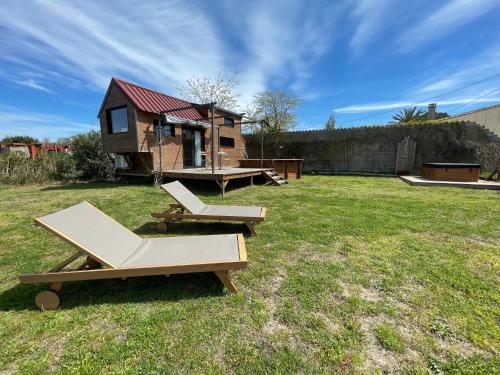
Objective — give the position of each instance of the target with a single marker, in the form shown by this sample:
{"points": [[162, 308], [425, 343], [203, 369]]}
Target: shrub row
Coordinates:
{"points": [[88, 161]]}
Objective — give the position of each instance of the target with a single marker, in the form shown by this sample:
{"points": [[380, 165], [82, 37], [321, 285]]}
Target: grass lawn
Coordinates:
{"points": [[347, 275]]}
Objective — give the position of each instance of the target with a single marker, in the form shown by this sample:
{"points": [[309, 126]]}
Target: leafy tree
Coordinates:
{"points": [[221, 89], [330, 123], [65, 167], [90, 157], [437, 116], [66, 141], [278, 109], [408, 114], [18, 139]]}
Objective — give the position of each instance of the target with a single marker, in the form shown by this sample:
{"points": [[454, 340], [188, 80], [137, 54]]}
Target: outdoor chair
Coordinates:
{"points": [[188, 206], [113, 251]]}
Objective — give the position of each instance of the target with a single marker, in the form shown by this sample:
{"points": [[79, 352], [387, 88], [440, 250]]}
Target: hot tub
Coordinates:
{"points": [[464, 172], [289, 169]]}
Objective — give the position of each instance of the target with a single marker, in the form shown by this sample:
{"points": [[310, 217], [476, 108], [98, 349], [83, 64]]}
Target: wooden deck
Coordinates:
{"points": [[221, 176]]}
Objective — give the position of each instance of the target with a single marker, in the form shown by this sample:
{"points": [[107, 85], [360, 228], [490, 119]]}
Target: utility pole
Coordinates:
{"points": [[212, 143], [159, 138], [262, 143]]}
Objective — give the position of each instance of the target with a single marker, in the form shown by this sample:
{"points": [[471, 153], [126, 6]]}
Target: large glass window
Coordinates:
{"points": [[117, 120], [122, 161]]}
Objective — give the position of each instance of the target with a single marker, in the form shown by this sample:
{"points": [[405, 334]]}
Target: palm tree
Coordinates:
{"points": [[408, 114]]}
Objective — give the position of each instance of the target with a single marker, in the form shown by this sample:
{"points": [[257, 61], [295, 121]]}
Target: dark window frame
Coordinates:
{"points": [[109, 122], [229, 144], [230, 123]]}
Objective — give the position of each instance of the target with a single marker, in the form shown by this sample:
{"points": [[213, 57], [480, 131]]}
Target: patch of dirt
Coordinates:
{"points": [[330, 325], [309, 252], [458, 346], [371, 294], [376, 357], [274, 284], [55, 346], [10, 369], [117, 332]]}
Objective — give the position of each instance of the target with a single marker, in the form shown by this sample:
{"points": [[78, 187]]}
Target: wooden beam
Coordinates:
{"points": [[226, 280], [64, 263], [114, 273], [181, 216]]}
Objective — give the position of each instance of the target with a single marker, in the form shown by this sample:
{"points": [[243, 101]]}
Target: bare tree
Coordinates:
{"points": [[278, 109], [221, 89], [251, 119]]}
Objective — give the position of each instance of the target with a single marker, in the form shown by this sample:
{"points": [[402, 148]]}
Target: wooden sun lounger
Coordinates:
{"points": [[189, 207], [113, 251]]}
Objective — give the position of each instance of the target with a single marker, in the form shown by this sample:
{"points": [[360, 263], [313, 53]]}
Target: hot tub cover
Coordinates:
{"points": [[452, 165]]}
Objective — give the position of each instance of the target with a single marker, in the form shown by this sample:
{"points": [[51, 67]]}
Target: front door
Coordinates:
{"points": [[192, 144]]}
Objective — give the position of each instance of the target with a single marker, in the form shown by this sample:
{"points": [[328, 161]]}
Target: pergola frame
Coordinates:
{"points": [[161, 117]]}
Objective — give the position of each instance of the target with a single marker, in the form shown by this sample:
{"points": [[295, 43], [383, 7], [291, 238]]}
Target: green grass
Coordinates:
{"points": [[347, 275]]}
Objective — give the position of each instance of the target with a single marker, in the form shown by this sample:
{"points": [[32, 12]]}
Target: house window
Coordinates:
{"points": [[228, 121], [117, 120], [227, 142], [122, 161], [167, 130]]}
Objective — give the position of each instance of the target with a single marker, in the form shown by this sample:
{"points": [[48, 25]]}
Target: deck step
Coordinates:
{"points": [[274, 177]]}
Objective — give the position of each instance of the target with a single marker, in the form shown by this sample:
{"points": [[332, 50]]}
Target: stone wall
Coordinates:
{"points": [[372, 149]]}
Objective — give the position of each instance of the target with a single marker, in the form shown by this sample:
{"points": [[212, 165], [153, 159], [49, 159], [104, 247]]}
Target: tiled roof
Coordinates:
{"points": [[151, 101]]}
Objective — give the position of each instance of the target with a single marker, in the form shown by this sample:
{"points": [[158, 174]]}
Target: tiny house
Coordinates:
{"points": [[148, 131]]}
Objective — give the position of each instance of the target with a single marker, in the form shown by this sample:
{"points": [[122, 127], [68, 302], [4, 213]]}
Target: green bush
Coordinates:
{"points": [[65, 167], [88, 161], [18, 169], [90, 157]]}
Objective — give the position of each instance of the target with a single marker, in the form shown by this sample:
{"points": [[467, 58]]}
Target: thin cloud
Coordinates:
{"points": [[90, 42], [371, 17], [41, 125], [374, 107], [30, 82], [444, 21]]}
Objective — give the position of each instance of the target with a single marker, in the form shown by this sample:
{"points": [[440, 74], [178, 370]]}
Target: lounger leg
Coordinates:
{"points": [[56, 287], [251, 227], [226, 280]]}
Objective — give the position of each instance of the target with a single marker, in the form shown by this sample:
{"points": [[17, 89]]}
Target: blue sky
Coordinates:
{"points": [[351, 58]]}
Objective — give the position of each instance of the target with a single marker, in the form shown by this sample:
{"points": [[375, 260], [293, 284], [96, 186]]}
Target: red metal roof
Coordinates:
{"points": [[151, 101]]}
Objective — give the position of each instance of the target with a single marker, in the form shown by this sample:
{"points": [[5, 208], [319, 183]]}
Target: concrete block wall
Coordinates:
{"points": [[372, 149]]}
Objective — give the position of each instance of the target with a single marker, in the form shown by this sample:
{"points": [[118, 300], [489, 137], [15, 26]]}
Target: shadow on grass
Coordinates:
{"points": [[189, 228], [118, 291]]}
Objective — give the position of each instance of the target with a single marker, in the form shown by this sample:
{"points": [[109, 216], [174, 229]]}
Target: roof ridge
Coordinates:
{"points": [[476, 110], [148, 89]]}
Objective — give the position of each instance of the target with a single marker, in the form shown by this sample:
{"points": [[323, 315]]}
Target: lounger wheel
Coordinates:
{"points": [[47, 300], [161, 227]]}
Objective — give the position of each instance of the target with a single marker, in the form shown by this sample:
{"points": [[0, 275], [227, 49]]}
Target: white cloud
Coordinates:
{"points": [[444, 21], [161, 44], [282, 40]]}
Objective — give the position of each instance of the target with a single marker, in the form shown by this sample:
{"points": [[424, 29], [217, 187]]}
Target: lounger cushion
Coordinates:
{"points": [[184, 250], [182, 195], [94, 232], [234, 211]]}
